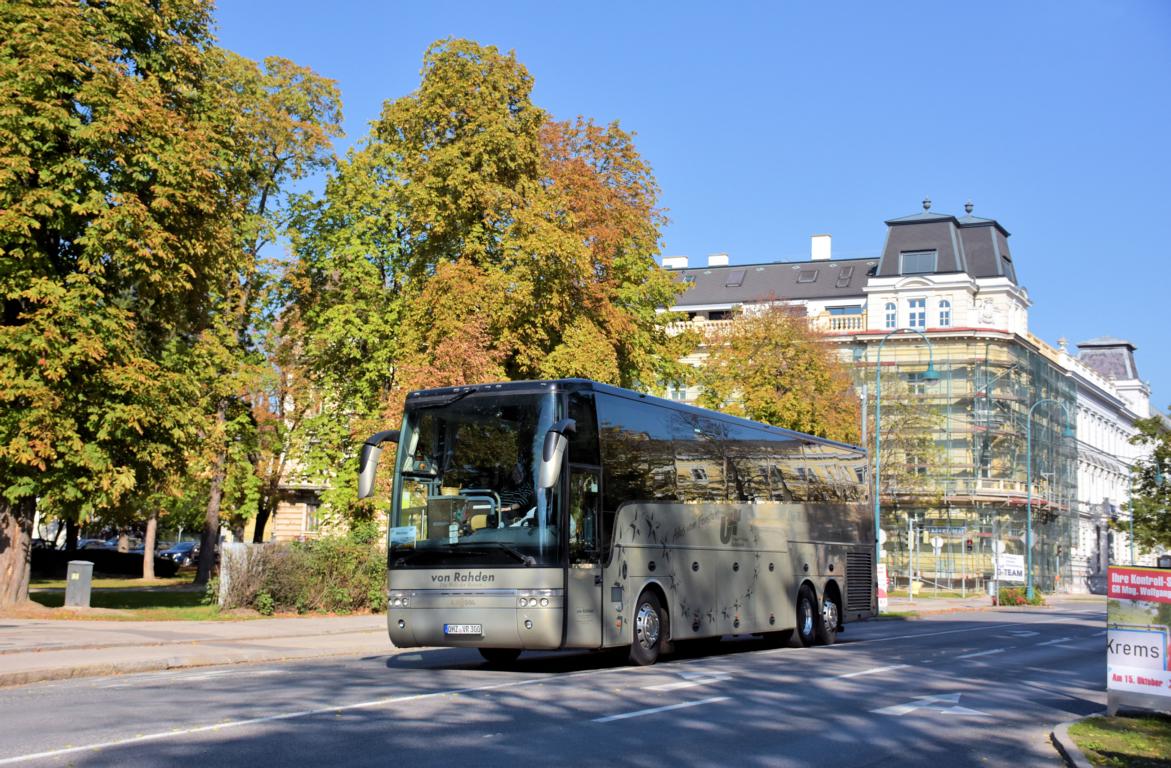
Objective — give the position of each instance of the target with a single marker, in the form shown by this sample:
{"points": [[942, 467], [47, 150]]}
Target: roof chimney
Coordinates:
{"points": [[717, 259], [820, 247], [674, 262]]}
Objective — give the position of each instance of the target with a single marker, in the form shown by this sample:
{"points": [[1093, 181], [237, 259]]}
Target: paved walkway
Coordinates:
{"points": [[32, 650]]}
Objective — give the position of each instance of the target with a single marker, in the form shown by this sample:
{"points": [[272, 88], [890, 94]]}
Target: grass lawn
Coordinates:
{"points": [[1133, 742], [141, 605], [115, 582]]}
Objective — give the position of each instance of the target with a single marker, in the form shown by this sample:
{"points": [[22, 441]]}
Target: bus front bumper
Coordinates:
{"points": [[530, 619]]}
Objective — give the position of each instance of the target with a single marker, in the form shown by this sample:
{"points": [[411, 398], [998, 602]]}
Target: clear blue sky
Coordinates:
{"points": [[767, 123]]}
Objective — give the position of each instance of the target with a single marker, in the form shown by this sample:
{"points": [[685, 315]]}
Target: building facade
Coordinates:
{"points": [[935, 331]]}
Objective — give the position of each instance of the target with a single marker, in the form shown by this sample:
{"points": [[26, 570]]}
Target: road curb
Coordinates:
{"points": [[1066, 746], [27, 677]]}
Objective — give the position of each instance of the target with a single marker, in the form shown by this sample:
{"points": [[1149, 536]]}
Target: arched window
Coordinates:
{"points": [[944, 313], [891, 314]]}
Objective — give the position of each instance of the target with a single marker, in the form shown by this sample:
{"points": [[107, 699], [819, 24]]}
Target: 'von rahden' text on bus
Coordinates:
{"points": [[572, 514]]}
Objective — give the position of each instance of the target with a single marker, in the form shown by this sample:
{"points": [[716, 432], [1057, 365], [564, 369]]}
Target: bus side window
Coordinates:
{"points": [[583, 443]]}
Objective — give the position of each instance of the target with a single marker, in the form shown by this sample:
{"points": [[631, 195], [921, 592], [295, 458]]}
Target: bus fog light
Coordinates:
{"points": [[544, 602], [528, 623], [402, 624]]}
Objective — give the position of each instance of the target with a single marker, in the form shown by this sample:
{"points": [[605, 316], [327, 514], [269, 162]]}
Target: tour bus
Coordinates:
{"points": [[540, 515]]}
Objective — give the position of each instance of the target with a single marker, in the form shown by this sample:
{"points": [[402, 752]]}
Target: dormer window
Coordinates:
{"points": [[892, 316], [944, 313], [917, 262]]}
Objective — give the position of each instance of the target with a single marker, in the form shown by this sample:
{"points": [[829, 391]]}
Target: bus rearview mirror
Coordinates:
{"points": [[368, 460], [554, 451]]}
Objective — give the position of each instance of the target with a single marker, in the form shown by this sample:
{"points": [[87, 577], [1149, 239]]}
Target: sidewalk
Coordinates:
{"points": [[32, 650]]}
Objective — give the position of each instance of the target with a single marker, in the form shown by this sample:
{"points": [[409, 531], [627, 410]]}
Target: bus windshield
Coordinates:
{"points": [[465, 483]]}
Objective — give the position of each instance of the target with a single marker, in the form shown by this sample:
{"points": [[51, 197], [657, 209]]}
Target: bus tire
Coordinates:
{"points": [[808, 617], [499, 657], [649, 627], [827, 625]]}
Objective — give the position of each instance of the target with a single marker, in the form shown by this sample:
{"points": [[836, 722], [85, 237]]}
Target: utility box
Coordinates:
{"points": [[78, 583]]}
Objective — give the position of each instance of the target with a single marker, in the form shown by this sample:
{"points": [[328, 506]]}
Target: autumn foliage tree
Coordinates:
{"points": [[767, 364], [469, 238]]}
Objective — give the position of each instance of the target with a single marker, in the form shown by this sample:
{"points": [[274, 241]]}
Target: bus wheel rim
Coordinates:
{"points": [[646, 624], [829, 613], [807, 624]]}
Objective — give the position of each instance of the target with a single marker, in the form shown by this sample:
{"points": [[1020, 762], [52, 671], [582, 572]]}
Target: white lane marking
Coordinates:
{"points": [[1069, 647], [655, 710], [871, 671], [1053, 642], [273, 718], [982, 653], [1024, 633], [687, 683], [934, 703], [1103, 633]]}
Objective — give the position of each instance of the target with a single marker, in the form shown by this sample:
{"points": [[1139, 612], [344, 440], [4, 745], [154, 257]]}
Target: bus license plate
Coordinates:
{"points": [[463, 629]]}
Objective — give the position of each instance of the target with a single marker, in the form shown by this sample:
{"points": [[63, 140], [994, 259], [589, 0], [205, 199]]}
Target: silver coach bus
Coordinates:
{"points": [[572, 514]]}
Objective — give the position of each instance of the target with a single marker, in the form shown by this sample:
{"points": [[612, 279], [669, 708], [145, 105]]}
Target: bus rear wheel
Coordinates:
{"points": [[649, 627], [808, 617], [827, 627], [498, 657]]}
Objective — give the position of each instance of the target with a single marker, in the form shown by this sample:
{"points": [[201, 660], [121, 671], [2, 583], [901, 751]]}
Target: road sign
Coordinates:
{"points": [[998, 546], [936, 544]]}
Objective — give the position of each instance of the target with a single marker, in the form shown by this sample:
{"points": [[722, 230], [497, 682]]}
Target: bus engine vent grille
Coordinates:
{"points": [[859, 575]]}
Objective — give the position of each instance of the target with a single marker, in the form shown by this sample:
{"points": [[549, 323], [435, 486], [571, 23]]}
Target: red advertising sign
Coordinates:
{"points": [[1146, 584]]}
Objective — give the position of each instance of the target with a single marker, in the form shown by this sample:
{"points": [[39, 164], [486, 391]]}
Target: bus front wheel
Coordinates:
{"points": [[498, 657], [808, 617], [649, 627]]}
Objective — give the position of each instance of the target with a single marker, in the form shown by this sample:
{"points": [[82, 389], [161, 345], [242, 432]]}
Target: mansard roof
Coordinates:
{"points": [[971, 244], [1109, 356], [784, 281]]}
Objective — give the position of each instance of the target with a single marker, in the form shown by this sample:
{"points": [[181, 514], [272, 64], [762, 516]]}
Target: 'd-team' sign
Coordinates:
{"points": [[1137, 643]]}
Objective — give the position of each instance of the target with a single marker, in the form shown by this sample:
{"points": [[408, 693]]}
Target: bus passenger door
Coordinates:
{"points": [[583, 604]]}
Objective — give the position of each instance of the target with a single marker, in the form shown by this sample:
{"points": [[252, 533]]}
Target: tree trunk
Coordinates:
{"points": [[148, 544], [211, 521], [262, 516], [16, 529], [72, 527]]}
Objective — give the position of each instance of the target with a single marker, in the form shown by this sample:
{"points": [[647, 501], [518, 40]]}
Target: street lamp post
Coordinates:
{"points": [[1068, 432], [929, 375]]}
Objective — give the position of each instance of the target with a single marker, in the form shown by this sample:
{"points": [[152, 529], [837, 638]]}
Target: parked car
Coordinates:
{"points": [[183, 553], [43, 544], [95, 544]]}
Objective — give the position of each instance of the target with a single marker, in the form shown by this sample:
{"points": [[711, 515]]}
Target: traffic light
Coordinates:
{"points": [[968, 545]]}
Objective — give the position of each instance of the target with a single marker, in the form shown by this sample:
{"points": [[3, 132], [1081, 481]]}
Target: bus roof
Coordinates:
{"points": [[588, 385]]}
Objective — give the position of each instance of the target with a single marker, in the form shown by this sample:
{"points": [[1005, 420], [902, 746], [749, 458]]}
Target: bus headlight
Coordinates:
{"points": [[544, 602]]}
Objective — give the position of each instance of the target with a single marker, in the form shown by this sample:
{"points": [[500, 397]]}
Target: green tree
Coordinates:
{"points": [[1151, 486], [281, 119], [767, 364], [113, 223]]}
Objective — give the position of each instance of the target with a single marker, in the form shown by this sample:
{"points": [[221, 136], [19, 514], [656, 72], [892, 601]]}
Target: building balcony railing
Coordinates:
{"points": [[828, 323]]}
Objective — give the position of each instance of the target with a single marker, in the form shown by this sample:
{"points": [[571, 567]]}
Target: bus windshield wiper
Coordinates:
{"points": [[474, 550], [521, 556]]}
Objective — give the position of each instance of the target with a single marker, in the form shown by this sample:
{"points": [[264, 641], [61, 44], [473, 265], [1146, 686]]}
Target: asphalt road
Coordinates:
{"points": [[974, 689]]}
